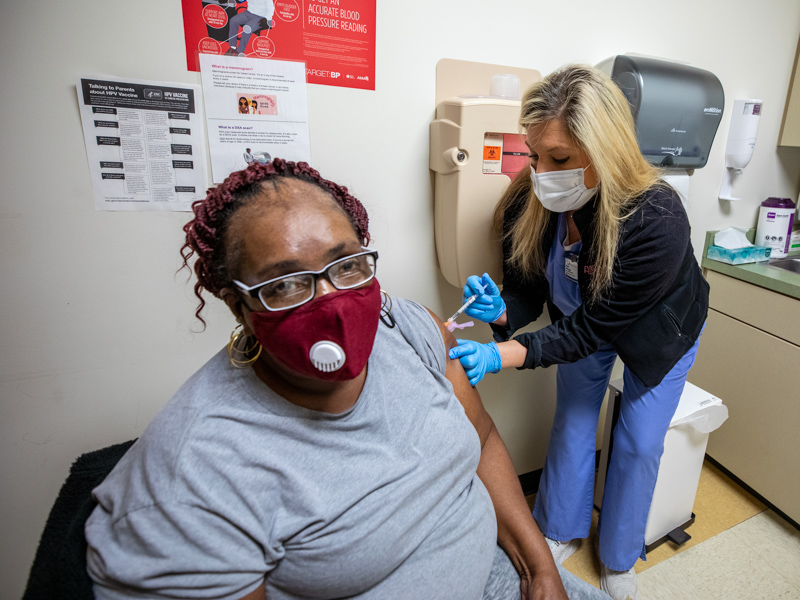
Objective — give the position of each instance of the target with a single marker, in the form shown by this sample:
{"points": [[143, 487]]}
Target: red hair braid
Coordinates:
{"points": [[206, 232]]}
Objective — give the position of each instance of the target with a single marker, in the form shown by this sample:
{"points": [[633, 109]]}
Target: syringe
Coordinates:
{"points": [[464, 306]]}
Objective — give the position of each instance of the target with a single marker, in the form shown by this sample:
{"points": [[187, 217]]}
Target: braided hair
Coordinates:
{"points": [[205, 234]]}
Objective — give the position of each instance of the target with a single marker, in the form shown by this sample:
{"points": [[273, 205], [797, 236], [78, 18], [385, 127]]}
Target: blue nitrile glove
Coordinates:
{"points": [[489, 306], [477, 359]]}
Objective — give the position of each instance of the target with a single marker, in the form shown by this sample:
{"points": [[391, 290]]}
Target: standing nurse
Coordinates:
{"points": [[596, 234]]}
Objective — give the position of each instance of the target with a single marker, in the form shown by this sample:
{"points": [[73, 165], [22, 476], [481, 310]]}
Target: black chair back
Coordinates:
{"points": [[59, 568]]}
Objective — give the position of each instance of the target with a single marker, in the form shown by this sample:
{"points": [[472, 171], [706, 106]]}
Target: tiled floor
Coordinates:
{"points": [[759, 558], [738, 550]]}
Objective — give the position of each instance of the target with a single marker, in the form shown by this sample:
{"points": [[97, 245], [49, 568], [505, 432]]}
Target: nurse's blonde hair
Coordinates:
{"points": [[597, 117]]}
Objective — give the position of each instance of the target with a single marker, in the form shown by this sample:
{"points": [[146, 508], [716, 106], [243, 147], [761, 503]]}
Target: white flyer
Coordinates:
{"points": [[144, 142], [256, 110]]}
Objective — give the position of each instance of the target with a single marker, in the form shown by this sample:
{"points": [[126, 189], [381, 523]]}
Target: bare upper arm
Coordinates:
{"points": [[466, 394]]}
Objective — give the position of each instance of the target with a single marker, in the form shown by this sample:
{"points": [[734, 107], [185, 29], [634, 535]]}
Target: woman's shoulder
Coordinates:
{"points": [[412, 318], [208, 385], [195, 411], [416, 325], [661, 199], [660, 206], [410, 311]]}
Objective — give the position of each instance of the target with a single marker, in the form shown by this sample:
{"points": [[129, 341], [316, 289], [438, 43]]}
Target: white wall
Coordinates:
{"points": [[96, 329]]}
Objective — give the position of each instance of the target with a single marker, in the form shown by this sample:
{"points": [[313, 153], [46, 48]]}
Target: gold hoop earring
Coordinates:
{"points": [[386, 310], [233, 348]]}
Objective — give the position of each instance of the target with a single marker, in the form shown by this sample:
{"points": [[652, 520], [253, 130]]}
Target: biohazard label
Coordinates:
{"points": [[493, 153]]}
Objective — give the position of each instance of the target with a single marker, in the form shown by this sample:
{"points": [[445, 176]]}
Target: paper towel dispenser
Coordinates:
{"points": [[677, 108]]}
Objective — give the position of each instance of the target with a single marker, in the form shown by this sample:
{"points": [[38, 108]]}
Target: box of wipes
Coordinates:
{"points": [[774, 230]]}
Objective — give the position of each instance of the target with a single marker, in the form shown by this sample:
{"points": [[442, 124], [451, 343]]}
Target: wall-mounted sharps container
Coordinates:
{"points": [[475, 150]]}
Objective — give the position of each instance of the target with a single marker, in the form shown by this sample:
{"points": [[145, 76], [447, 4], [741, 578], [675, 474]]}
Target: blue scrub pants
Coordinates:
{"points": [[563, 507]]}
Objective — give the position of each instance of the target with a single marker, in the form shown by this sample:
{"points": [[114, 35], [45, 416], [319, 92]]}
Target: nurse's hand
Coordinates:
{"points": [[477, 359], [488, 306]]}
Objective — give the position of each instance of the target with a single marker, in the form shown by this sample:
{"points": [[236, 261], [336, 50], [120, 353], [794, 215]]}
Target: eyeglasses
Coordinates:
{"points": [[290, 291]]}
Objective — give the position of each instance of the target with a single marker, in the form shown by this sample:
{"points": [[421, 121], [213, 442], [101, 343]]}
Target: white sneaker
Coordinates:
{"points": [[562, 550], [620, 585]]}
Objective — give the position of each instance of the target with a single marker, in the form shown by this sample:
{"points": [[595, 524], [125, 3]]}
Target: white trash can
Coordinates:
{"points": [[698, 414]]}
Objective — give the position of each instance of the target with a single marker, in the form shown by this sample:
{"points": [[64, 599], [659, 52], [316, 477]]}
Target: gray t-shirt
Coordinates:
{"points": [[231, 483]]}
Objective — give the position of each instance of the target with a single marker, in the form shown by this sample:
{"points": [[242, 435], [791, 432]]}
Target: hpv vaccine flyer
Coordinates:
{"points": [[334, 38], [144, 142], [256, 110]]}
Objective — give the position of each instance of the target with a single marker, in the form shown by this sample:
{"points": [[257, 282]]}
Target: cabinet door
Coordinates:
{"points": [[757, 376], [790, 128]]}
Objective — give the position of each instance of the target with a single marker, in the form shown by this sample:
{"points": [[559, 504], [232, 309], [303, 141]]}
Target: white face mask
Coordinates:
{"points": [[560, 191]]}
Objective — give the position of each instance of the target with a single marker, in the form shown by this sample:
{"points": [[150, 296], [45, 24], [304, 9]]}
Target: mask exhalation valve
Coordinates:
{"points": [[326, 356]]}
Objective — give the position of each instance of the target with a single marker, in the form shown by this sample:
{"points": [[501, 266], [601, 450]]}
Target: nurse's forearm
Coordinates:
{"points": [[502, 320], [512, 354]]}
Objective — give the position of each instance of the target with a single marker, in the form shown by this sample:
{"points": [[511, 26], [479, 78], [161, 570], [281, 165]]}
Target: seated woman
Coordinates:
{"points": [[348, 458]]}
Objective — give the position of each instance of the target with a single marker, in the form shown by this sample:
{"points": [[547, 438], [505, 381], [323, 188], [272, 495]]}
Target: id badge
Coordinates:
{"points": [[571, 266]]}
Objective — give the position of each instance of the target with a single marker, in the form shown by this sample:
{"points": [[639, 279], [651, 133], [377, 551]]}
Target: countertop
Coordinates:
{"points": [[761, 274]]}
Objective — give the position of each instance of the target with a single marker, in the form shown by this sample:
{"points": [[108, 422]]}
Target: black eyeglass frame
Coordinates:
{"points": [[255, 290]]}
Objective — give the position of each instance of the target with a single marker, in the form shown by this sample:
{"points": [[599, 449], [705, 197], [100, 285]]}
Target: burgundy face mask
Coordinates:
{"points": [[327, 338]]}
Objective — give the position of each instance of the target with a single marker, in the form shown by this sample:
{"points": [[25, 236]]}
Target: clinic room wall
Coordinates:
{"points": [[98, 330]]}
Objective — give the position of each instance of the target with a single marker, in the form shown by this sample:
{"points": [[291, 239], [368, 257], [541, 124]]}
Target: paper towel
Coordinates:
{"points": [[679, 179]]}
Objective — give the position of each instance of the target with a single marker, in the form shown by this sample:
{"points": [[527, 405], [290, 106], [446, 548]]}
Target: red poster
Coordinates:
{"points": [[335, 38]]}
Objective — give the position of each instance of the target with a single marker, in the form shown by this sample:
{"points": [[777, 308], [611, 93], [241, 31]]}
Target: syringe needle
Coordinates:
{"points": [[464, 306]]}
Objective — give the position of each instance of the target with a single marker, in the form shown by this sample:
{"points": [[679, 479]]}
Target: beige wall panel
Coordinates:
{"points": [[790, 128]]}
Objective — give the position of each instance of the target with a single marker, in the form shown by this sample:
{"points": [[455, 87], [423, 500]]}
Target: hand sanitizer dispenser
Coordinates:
{"points": [[475, 150], [741, 142]]}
